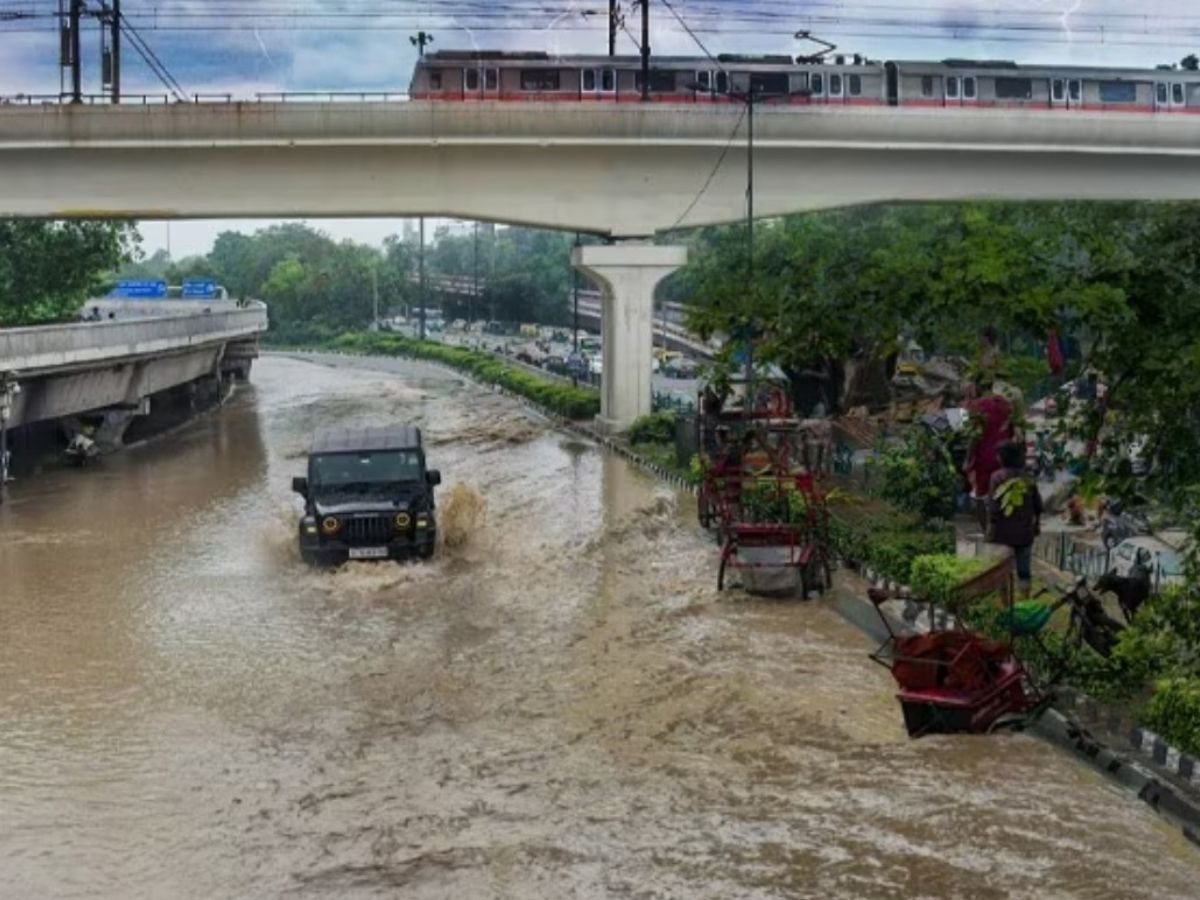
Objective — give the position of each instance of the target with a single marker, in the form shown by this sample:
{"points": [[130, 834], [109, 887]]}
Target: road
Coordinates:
{"points": [[561, 705]]}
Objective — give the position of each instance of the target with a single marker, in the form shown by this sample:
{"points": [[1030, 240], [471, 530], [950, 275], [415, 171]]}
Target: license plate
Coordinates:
{"points": [[368, 552]]}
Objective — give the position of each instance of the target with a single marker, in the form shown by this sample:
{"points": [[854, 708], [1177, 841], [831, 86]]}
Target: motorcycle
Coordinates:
{"points": [[82, 450]]}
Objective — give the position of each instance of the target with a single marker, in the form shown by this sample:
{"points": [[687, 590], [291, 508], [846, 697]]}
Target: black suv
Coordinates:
{"points": [[368, 495]]}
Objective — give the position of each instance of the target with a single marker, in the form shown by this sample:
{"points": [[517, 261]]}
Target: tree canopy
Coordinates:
{"points": [[48, 269], [1122, 279]]}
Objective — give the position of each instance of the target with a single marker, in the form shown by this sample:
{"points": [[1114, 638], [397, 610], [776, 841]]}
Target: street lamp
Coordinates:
{"points": [[751, 98]]}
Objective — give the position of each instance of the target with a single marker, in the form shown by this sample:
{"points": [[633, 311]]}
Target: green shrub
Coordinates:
{"points": [[939, 577], [1174, 712], [566, 401], [888, 542], [656, 428], [919, 476]]}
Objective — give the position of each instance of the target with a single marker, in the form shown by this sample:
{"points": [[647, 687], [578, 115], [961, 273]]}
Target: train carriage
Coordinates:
{"points": [[466, 76]]}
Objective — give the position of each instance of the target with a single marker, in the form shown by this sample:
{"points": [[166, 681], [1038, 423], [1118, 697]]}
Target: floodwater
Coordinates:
{"points": [[560, 706]]}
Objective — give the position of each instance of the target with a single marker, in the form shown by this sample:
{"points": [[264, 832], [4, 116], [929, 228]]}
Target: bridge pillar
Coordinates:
{"points": [[627, 275]]}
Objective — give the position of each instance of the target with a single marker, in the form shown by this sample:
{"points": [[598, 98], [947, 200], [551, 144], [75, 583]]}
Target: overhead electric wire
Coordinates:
{"points": [[716, 168], [146, 52]]}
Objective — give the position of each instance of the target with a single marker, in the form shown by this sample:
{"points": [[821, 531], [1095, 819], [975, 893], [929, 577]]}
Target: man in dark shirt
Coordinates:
{"points": [[1015, 510]]}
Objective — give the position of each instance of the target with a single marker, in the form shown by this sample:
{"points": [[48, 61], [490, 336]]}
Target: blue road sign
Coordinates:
{"points": [[204, 288], [146, 289]]}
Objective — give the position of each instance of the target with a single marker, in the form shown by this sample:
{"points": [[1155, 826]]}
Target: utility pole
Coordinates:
{"points": [[575, 323], [74, 16], [475, 284], [421, 277], [114, 51], [750, 229], [375, 295], [420, 39], [645, 50], [612, 27]]}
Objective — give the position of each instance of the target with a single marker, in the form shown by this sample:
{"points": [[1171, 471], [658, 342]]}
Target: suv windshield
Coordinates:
{"points": [[349, 471]]}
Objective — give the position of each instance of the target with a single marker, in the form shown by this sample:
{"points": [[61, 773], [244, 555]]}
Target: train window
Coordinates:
{"points": [[1074, 89], [704, 79], [491, 80], [926, 85], [660, 82], [472, 82], [817, 83], [1160, 93], [540, 80], [854, 82], [1177, 94], [969, 87], [776, 83], [1058, 90], [608, 80], [952, 87], [589, 80], [1014, 88], [1118, 92], [435, 80], [835, 85], [722, 82]]}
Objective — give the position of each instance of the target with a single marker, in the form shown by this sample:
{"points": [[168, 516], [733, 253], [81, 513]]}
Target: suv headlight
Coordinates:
{"points": [[331, 525], [402, 521]]}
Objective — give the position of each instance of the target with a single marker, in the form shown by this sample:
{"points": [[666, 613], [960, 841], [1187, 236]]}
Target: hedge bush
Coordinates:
{"points": [[656, 428], [889, 544], [569, 402], [1174, 712]]}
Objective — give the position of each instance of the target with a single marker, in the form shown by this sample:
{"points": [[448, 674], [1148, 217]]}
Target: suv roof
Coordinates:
{"points": [[350, 440]]}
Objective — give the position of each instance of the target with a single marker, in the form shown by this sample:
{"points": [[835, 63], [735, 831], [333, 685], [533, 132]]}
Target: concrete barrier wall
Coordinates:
{"points": [[56, 347]]}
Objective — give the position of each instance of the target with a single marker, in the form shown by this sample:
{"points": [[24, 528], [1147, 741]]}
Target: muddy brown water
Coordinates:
{"points": [[561, 705]]}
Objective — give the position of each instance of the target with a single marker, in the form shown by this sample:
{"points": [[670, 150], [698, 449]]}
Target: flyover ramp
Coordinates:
{"points": [[150, 346]]}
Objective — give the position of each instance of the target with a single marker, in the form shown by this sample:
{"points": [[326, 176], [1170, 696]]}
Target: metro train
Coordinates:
{"points": [[458, 76]]}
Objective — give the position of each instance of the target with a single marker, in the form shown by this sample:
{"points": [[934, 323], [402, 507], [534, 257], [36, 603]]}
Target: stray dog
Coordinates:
{"points": [[1132, 590]]}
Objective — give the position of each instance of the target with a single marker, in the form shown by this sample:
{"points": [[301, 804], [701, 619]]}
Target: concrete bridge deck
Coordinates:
{"points": [[620, 170]]}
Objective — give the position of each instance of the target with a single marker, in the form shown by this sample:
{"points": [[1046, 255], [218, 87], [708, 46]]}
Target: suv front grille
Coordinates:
{"points": [[367, 531]]}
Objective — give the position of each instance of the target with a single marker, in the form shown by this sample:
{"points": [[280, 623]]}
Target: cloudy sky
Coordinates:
{"points": [[247, 46]]}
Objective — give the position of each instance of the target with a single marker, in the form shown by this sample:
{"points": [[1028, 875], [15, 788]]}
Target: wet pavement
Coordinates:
{"points": [[561, 705]]}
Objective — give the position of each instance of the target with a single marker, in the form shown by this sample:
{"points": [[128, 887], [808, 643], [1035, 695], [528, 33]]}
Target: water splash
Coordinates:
{"points": [[462, 516]]}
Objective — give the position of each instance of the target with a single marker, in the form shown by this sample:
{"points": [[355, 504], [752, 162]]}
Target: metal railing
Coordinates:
{"points": [[1063, 552]]}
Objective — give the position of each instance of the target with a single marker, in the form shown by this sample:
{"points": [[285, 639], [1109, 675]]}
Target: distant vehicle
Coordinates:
{"points": [[590, 344], [1164, 561], [495, 328], [368, 495], [680, 368], [596, 364], [528, 330], [530, 354]]}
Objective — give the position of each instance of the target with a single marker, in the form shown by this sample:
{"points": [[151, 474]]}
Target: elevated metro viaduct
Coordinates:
{"points": [[622, 171]]}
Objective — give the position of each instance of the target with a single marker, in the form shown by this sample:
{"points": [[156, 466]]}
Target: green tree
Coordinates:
{"points": [[48, 269]]}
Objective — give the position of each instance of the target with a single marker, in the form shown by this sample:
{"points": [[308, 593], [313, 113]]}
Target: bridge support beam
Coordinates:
{"points": [[627, 275]]}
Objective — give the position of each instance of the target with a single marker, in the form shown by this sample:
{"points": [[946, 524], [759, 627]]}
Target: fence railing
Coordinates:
{"points": [[1063, 552], [209, 98]]}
